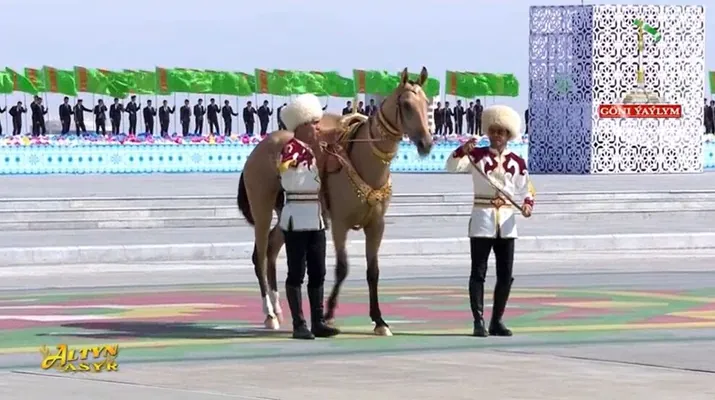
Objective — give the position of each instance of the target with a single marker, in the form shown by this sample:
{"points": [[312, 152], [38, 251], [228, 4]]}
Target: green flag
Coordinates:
{"points": [[37, 77], [142, 82], [199, 81], [91, 80], [6, 86], [284, 83], [279, 82], [712, 82], [232, 83], [172, 80], [20, 82], [375, 82], [461, 84], [505, 85], [118, 83], [648, 29], [261, 81], [60, 81], [333, 84]]}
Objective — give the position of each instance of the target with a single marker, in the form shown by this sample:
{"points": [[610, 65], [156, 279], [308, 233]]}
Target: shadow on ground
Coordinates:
{"points": [[162, 330]]}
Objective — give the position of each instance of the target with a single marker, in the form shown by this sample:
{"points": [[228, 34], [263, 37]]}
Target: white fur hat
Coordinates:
{"points": [[503, 116], [305, 108]]}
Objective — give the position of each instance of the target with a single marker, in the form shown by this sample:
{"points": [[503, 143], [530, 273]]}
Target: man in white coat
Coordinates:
{"points": [[492, 225]]}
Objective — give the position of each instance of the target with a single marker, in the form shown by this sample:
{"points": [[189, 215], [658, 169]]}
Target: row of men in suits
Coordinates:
{"points": [[100, 111], [210, 112], [38, 112], [370, 110], [709, 116], [451, 120]]}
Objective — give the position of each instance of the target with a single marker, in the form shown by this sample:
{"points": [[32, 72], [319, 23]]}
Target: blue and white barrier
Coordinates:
{"points": [[193, 158]]}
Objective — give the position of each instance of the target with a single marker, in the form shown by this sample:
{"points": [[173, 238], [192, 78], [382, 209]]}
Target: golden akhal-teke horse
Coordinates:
{"points": [[354, 155]]}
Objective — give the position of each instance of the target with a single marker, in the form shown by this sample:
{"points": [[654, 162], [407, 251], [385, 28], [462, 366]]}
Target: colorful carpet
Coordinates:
{"points": [[222, 315]]}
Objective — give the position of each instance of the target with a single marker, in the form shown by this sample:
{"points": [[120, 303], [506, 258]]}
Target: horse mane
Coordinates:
{"points": [[333, 127]]}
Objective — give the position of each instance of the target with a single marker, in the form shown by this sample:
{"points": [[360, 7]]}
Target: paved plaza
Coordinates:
{"points": [[642, 327]]}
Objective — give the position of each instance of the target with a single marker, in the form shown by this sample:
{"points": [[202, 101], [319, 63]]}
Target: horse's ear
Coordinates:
{"points": [[404, 77], [423, 76]]}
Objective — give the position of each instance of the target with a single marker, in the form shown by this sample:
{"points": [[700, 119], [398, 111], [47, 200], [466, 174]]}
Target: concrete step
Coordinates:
{"points": [[397, 210], [46, 203], [699, 218], [395, 229]]}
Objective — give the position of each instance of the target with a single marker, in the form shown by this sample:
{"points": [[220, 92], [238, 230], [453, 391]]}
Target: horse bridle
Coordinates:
{"points": [[387, 129]]}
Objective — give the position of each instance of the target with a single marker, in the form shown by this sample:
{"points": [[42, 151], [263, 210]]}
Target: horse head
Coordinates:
{"points": [[410, 106]]}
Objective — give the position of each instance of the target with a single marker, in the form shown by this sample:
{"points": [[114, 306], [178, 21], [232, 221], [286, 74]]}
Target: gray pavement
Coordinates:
{"points": [[406, 228], [428, 376], [655, 269], [226, 184], [664, 365]]}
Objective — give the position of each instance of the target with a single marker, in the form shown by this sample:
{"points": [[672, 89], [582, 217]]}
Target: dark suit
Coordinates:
{"points": [[458, 119], [347, 110], [16, 114], [164, 118], [264, 117], [100, 119], [79, 110], [281, 125], [438, 120], [709, 120], [449, 127], [478, 109], [66, 117], [185, 117], [38, 119], [249, 119], [470, 120], [212, 112], [132, 109], [199, 112], [149, 113], [227, 114], [115, 116]]}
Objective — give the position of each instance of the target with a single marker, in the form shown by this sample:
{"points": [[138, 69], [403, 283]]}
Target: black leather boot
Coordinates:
{"points": [[476, 301], [501, 297], [317, 321], [295, 302]]}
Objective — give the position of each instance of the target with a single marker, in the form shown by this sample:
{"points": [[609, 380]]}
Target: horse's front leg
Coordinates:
{"points": [[260, 250], [340, 236], [275, 243], [373, 238]]}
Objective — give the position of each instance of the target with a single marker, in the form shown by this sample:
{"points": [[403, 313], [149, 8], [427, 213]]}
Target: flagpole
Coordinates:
{"points": [[220, 104], [272, 108], [174, 113], [6, 114], [25, 105]]}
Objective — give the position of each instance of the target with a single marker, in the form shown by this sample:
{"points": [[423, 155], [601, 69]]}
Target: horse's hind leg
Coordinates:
{"points": [[373, 238], [275, 243], [340, 236], [262, 231]]}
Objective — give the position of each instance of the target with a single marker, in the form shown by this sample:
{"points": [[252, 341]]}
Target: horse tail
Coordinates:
{"points": [[243, 203]]}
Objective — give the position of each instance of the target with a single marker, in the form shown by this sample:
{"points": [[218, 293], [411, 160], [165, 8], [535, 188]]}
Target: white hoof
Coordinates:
{"points": [[272, 323], [383, 331], [330, 322]]}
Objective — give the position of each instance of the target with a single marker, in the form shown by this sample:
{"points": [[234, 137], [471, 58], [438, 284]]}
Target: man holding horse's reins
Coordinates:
{"points": [[499, 177], [301, 219]]}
